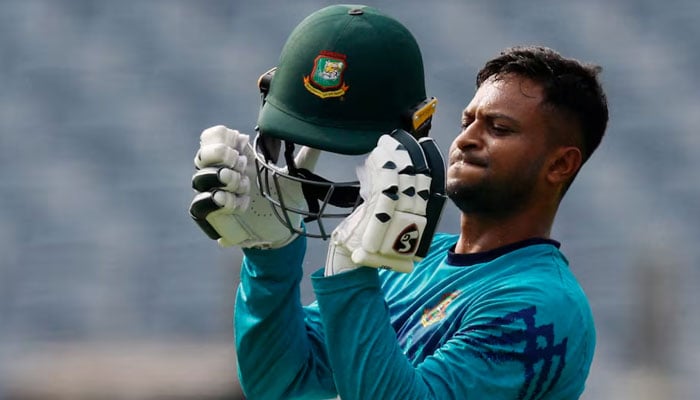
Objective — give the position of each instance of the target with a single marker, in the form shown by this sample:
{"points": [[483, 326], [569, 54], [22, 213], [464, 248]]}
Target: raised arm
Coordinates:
{"points": [[279, 344]]}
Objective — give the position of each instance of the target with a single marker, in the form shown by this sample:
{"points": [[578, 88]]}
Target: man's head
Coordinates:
{"points": [[535, 119], [572, 92]]}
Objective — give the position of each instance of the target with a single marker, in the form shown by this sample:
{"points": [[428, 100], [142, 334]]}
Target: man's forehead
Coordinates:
{"points": [[507, 90]]}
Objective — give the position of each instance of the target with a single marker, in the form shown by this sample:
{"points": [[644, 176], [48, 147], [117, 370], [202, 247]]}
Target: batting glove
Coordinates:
{"points": [[402, 185], [228, 206]]}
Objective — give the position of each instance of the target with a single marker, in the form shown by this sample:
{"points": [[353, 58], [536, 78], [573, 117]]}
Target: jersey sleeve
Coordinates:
{"points": [[279, 343], [362, 346]]}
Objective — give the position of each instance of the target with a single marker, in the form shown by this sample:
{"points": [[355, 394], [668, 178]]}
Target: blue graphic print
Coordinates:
{"points": [[538, 355]]}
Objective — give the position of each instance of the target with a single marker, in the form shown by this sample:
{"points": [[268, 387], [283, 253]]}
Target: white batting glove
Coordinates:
{"points": [[228, 206], [387, 229]]}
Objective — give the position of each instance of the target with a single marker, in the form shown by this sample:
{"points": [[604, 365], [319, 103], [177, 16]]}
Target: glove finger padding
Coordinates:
{"points": [[221, 146], [386, 230], [227, 207], [221, 178]]}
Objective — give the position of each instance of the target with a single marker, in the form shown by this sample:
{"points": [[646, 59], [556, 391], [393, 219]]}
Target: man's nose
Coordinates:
{"points": [[469, 137]]}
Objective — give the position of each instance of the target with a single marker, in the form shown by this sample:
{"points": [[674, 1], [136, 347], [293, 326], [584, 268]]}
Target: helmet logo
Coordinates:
{"points": [[326, 78]]}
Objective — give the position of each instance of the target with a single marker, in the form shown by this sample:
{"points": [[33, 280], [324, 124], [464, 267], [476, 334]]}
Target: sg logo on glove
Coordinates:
{"points": [[408, 241]]}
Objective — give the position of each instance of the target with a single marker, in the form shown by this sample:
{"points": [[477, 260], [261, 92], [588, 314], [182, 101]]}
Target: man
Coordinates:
{"points": [[491, 313]]}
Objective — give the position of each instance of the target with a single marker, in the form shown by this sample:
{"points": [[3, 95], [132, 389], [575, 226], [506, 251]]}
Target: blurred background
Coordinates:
{"points": [[107, 288]]}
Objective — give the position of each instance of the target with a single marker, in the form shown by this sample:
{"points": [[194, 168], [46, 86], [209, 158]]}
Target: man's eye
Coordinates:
{"points": [[500, 129], [465, 123]]}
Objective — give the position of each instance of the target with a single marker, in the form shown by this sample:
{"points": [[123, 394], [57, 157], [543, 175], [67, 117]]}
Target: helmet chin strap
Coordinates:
{"points": [[315, 195]]}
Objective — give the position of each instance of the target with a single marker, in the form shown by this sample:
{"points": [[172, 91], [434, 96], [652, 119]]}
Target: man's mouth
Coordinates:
{"points": [[470, 159]]}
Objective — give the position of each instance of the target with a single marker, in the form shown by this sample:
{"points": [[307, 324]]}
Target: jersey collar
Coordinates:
{"points": [[464, 260]]}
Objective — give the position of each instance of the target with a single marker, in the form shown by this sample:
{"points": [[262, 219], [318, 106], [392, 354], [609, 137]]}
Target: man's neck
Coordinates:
{"points": [[482, 233]]}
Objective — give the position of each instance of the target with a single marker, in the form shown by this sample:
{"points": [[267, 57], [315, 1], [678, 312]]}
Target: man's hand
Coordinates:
{"points": [[228, 206], [399, 213]]}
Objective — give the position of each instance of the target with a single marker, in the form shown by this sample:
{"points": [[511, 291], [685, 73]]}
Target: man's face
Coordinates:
{"points": [[495, 163]]}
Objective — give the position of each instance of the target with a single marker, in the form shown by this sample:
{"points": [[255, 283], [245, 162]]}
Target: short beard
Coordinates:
{"points": [[495, 200]]}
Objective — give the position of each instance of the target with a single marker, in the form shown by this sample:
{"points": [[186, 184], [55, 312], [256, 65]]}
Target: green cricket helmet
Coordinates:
{"points": [[346, 75]]}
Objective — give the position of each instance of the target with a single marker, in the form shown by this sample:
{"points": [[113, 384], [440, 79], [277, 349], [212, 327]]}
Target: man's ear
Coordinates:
{"points": [[564, 164]]}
